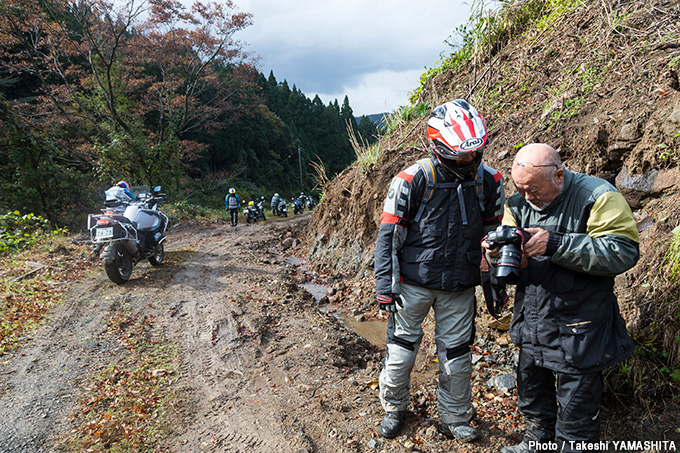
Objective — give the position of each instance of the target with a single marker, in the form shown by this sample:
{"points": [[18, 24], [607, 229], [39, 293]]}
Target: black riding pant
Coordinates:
{"points": [[557, 405], [234, 216]]}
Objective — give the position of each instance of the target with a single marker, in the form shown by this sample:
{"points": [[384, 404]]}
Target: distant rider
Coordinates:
{"points": [[233, 203], [276, 199], [260, 207]]}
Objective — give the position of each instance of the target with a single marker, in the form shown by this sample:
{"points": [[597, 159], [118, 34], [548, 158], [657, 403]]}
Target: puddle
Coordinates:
{"points": [[371, 330], [315, 289], [374, 331], [295, 261]]}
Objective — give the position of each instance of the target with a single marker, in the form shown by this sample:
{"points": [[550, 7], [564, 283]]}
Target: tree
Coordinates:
{"points": [[131, 88], [367, 130]]}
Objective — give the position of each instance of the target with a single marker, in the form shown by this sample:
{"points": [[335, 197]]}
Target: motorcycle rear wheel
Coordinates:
{"points": [[157, 258], [117, 263]]}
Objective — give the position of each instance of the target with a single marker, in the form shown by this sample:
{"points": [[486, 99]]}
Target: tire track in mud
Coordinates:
{"points": [[239, 388], [214, 330]]}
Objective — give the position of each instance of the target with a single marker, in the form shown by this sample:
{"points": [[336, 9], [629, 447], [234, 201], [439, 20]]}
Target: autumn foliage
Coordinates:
{"points": [[114, 88]]}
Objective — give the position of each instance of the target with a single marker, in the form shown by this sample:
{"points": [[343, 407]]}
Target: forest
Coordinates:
{"points": [[93, 92]]}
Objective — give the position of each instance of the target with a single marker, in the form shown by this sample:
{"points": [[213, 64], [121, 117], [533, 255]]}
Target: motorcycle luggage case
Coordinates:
{"points": [[145, 219]]}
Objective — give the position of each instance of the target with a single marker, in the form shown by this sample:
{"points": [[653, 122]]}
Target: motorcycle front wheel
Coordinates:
{"points": [[117, 263], [158, 254]]}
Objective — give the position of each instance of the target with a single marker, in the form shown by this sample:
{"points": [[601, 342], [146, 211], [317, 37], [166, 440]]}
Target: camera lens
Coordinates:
{"points": [[507, 269]]}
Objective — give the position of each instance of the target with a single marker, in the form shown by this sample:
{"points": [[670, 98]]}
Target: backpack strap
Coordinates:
{"points": [[430, 179], [479, 183]]}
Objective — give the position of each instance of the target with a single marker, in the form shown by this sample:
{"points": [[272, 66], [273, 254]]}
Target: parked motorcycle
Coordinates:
{"points": [[260, 209], [251, 212], [282, 209], [130, 232]]}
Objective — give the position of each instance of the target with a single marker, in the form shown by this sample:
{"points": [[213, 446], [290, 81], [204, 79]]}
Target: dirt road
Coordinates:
{"points": [[262, 368]]}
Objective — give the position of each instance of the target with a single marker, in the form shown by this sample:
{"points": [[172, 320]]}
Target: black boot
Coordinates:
{"points": [[461, 431], [391, 424]]}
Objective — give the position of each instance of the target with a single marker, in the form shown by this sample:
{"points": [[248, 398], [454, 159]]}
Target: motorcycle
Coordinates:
{"points": [[282, 209], [129, 232], [310, 203], [251, 213], [298, 206], [260, 210]]}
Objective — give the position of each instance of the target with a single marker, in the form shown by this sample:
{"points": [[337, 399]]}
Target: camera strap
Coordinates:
{"points": [[494, 292]]}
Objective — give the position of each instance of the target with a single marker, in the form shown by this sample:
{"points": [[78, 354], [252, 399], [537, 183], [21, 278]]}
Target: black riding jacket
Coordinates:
{"points": [[440, 250]]}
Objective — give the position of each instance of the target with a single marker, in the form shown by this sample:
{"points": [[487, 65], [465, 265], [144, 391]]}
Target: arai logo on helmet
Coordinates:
{"points": [[471, 143]]}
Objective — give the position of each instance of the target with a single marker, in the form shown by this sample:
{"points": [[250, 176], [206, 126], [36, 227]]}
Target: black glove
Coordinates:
{"points": [[390, 302]]}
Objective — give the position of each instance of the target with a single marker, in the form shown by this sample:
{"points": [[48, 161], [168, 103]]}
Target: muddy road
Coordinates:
{"points": [[262, 367]]}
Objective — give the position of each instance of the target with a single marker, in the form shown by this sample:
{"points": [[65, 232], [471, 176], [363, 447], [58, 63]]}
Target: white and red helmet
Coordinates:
{"points": [[457, 136]]}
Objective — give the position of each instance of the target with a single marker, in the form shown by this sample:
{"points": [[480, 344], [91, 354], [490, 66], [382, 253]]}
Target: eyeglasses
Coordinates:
{"points": [[528, 166]]}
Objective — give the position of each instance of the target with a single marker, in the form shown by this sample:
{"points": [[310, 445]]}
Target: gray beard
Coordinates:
{"points": [[539, 209]]}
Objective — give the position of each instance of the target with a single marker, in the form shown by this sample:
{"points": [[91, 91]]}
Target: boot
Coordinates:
{"points": [[461, 431], [521, 447], [391, 424]]}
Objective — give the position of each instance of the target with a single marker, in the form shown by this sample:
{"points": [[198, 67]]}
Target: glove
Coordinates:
{"points": [[390, 302], [501, 299]]}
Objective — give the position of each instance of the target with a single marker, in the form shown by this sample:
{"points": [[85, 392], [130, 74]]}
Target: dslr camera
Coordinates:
{"points": [[510, 240]]}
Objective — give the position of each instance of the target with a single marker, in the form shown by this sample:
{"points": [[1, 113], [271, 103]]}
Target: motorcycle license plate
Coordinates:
{"points": [[102, 233]]}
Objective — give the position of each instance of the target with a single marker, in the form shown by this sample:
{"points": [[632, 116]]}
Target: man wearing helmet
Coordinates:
{"points": [[276, 199], [233, 203], [427, 255]]}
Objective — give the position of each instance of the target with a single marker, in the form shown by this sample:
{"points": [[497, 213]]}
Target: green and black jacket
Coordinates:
{"points": [[565, 311]]}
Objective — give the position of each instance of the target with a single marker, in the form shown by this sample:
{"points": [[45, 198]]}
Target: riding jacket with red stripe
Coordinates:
{"points": [[439, 250]]}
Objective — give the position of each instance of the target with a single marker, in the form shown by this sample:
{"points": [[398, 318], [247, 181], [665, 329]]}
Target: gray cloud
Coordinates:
{"points": [[337, 47]]}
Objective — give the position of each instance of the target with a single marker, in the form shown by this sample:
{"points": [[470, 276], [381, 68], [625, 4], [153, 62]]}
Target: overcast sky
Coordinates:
{"points": [[372, 51]]}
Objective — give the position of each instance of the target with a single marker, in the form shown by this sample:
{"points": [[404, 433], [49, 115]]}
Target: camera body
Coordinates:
{"points": [[510, 240]]}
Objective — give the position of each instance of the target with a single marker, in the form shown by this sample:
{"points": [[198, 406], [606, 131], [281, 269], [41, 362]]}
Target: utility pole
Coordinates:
{"points": [[302, 187]]}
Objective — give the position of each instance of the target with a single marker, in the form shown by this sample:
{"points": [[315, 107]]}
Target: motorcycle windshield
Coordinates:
{"points": [[137, 190]]}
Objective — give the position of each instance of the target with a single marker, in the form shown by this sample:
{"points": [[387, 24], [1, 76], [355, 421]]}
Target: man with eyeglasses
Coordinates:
{"points": [[566, 318], [427, 256]]}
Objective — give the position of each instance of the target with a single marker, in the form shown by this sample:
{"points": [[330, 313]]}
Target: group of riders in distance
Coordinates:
{"points": [[255, 209]]}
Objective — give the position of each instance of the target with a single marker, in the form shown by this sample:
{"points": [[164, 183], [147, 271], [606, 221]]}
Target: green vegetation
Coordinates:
{"points": [[404, 115], [487, 32], [87, 100], [18, 232], [182, 211], [671, 259]]}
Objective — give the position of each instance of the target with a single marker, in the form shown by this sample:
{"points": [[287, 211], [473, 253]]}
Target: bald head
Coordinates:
{"points": [[538, 154], [538, 174]]}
